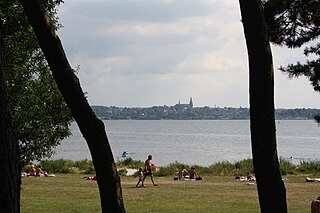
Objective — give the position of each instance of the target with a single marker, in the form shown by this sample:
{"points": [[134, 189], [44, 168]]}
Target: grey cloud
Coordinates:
{"points": [[145, 10], [180, 48]]}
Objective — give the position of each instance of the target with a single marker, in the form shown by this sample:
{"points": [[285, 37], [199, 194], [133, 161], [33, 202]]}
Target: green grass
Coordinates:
{"points": [[72, 193]]}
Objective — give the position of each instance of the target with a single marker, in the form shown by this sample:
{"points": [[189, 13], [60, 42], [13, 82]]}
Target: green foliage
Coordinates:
{"points": [[67, 166], [244, 166], [286, 167], [42, 119], [239, 168], [130, 163], [222, 168], [292, 23], [312, 167], [58, 166], [296, 23], [83, 164], [170, 170], [122, 171], [40, 116]]}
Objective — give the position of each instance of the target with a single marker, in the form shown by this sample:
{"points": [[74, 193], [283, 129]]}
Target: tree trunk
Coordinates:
{"points": [[90, 126], [271, 190], [10, 175]]}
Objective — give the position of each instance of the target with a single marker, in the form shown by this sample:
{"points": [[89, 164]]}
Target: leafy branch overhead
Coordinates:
{"points": [[40, 116], [296, 24]]}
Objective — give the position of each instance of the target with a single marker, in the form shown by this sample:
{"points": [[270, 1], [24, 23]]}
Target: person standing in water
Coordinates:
{"points": [[147, 171]]}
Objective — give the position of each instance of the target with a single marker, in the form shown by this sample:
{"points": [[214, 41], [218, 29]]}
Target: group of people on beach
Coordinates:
{"points": [[36, 172], [146, 171], [248, 177], [149, 166], [184, 174]]}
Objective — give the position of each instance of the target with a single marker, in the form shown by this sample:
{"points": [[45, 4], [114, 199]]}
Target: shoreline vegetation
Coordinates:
{"points": [[219, 191], [224, 168]]}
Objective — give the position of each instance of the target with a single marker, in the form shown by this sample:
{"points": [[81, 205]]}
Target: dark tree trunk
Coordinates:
{"points": [[90, 126], [271, 190], [10, 175]]}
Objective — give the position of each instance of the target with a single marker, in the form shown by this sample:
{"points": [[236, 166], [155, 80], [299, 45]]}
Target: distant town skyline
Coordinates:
{"points": [[152, 53]]}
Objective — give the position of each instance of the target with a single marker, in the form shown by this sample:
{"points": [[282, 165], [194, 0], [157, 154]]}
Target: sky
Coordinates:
{"points": [[143, 53]]}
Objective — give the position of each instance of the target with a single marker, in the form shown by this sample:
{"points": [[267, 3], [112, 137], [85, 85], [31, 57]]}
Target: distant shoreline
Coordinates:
{"points": [[196, 113]]}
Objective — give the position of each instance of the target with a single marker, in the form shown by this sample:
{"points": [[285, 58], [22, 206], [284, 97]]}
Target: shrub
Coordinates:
{"points": [[222, 168], [129, 162], [57, 166], [83, 164], [243, 167], [122, 172], [286, 167], [67, 166], [90, 170], [170, 170], [239, 168], [312, 167]]}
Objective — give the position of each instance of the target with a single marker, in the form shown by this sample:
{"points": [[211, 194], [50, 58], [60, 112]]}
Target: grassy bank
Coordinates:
{"points": [[73, 193]]}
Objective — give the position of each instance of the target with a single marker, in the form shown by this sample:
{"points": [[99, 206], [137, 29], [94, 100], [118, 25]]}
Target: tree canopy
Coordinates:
{"points": [[40, 116], [296, 23]]}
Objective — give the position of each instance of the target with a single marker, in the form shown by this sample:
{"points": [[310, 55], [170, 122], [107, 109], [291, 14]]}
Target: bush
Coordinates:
{"points": [[170, 170], [122, 172], [239, 168], [312, 167], [68, 166], [83, 164], [243, 167], [286, 167], [57, 166], [90, 170], [129, 162], [222, 168]]}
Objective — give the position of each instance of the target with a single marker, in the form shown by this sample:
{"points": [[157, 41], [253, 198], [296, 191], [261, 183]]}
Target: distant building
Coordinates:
{"points": [[180, 106]]}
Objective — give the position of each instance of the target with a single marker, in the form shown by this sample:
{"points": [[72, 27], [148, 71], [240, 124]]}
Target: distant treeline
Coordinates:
{"points": [[197, 113]]}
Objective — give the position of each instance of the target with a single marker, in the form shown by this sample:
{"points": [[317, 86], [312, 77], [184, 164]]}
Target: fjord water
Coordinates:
{"points": [[201, 142]]}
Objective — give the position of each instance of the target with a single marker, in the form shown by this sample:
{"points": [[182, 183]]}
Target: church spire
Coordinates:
{"points": [[191, 103]]}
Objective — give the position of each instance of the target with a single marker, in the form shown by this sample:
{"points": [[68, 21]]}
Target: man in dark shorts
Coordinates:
{"points": [[147, 171]]}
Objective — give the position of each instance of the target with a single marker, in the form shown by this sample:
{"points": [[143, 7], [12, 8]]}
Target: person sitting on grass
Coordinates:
{"points": [[250, 177], [32, 171], [183, 173], [91, 177], [315, 205], [193, 173], [40, 172]]}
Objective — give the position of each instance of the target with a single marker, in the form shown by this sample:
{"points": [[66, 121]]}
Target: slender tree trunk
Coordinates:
{"points": [[10, 175], [271, 190], [90, 126]]}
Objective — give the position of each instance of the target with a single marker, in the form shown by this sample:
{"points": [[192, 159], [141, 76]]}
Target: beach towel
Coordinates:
{"points": [[312, 179]]}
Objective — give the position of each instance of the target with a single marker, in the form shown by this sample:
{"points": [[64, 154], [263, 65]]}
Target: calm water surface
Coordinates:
{"points": [[194, 142]]}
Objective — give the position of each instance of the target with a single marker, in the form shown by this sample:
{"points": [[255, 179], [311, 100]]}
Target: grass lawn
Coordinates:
{"points": [[73, 193]]}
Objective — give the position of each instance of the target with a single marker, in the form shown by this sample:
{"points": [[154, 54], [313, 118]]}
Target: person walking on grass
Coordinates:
{"points": [[140, 176], [147, 171]]}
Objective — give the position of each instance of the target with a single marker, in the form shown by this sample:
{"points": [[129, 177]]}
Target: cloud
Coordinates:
{"points": [[145, 53]]}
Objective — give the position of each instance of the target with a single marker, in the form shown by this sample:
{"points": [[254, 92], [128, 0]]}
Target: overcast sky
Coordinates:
{"points": [[142, 53]]}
